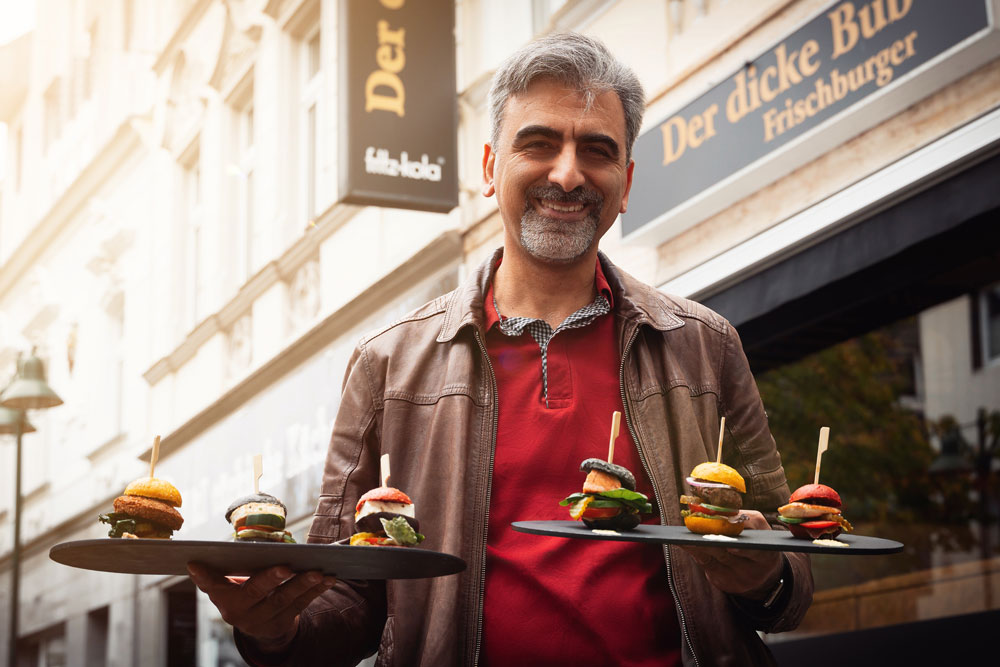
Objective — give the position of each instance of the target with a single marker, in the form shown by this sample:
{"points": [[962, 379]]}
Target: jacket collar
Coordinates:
{"points": [[633, 300]]}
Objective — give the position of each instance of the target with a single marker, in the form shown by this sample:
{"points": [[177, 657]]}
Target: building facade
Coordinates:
{"points": [[175, 243]]}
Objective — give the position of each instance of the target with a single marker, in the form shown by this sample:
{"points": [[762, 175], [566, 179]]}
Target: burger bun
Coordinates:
{"points": [[816, 492], [711, 471], [158, 489], [620, 521], [705, 526]]}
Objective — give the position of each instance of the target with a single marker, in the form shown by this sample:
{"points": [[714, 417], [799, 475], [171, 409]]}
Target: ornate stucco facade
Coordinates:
{"points": [[173, 243]]}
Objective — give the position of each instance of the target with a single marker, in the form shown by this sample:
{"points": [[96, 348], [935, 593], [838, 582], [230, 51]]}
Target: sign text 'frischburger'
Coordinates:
{"points": [[849, 51]]}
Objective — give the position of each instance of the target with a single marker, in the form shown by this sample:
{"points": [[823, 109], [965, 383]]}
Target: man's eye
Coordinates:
{"points": [[599, 151]]}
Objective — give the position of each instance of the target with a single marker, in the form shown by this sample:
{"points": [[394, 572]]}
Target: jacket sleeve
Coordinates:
{"points": [[756, 458], [344, 625]]}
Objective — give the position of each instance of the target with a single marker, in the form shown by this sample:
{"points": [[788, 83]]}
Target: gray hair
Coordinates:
{"points": [[575, 60]]}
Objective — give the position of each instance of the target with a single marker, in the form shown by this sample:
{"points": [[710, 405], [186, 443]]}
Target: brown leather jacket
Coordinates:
{"points": [[423, 391]]}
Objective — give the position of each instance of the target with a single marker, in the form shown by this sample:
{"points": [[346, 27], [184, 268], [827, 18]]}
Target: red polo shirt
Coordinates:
{"points": [[549, 600]]}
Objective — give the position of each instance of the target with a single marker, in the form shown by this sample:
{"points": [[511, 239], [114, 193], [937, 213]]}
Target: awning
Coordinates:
{"points": [[934, 246]]}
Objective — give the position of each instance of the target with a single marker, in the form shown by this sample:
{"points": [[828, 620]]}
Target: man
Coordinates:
{"points": [[489, 397]]}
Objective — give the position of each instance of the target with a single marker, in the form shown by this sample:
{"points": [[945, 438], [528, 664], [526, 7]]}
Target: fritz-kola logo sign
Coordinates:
{"points": [[377, 161], [399, 142]]}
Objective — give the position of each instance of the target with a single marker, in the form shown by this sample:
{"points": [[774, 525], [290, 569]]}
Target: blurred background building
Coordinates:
{"points": [[177, 242]]}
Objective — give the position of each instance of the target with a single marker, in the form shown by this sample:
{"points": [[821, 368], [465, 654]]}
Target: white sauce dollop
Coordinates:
{"points": [[831, 543]]}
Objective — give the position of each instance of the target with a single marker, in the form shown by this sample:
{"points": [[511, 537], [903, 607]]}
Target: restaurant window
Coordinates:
{"points": [[89, 73], [43, 649], [97, 638], [311, 86], [182, 625], [913, 452], [919, 471], [53, 114], [989, 320], [192, 286], [241, 180], [17, 158]]}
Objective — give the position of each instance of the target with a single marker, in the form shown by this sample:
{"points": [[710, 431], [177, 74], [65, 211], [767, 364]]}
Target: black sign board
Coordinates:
{"points": [[853, 50], [399, 115]]}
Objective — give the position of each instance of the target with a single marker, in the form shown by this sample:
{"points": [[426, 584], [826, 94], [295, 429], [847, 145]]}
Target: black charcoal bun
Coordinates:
{"points": [[626, 478], [254, 498], [371, 523], [623, 521]]}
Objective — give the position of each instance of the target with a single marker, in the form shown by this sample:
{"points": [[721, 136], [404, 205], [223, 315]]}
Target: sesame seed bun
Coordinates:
{"points": [[158, 489], [721, 473]]}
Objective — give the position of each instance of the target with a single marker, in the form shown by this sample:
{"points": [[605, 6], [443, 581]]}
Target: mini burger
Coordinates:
{"points": [[145, 510], [609, 500], [385, 517], [259, 517], [814, 512], [715, 500]]}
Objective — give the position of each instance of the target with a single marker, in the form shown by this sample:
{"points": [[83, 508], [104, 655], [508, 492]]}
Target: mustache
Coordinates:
{"points": [[578, 195]]}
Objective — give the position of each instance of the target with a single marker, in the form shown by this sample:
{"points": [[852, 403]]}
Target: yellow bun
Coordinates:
{"points": [[719, 472], [703, 526], [151, 487]]}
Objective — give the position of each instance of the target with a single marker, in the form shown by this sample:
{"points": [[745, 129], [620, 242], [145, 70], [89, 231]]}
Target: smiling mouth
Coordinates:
{"points": [[562, 207]]}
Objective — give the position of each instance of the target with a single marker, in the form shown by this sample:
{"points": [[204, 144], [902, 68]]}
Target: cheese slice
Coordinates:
{"points": [[376, 506], [255, 508]]}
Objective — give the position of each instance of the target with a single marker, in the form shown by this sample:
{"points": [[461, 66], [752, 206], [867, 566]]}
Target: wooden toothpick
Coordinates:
{"points": [[824, 438], [385, 469], [722, 432], [155, 455], [616, 422], [258, 470]]}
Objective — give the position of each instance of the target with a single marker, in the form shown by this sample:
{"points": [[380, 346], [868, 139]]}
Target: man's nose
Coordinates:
{"points": [[565, 171]]}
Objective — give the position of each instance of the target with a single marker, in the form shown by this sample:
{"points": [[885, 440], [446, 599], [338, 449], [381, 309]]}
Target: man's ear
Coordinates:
{"points": [[488, 158], [628, 185]]}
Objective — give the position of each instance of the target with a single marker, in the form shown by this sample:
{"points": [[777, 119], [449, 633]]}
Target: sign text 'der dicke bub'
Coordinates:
{"points": [[399, 75], [849, 51], [753, 89]]}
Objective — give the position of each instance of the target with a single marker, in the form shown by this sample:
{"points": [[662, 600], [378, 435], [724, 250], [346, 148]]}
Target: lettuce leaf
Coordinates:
{"points": [[632, 499]]}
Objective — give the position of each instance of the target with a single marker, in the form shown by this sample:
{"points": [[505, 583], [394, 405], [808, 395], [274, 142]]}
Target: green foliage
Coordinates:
{"points": [[879, 451]]}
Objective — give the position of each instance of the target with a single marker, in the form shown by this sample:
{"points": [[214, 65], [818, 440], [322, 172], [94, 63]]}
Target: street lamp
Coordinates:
{"points": [[27, 391]]}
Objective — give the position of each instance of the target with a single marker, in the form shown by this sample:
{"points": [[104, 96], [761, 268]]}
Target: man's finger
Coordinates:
{"points": [[295, 607], [260, 585], [286, 594], [206, 578], [755, 520]]}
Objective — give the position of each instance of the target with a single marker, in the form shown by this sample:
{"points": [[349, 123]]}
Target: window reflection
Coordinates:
{"points": [[913, 452]]}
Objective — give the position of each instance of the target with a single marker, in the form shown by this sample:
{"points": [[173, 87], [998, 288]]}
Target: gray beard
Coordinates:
{"points": [[553, 240]]}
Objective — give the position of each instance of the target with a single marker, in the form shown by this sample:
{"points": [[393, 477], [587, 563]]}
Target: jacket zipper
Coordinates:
{"points": [[489, 489], [656, 490]]}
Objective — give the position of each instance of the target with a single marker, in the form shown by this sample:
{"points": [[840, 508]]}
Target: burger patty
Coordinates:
{"points": [[730, 498], [149, 509]]}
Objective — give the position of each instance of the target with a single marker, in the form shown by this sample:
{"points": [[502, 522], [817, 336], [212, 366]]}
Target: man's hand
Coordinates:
{"points": [[748, 573], [265, 606]]}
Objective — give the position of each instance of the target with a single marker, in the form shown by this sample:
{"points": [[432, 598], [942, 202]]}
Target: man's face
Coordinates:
{"points": [[559, 171]]}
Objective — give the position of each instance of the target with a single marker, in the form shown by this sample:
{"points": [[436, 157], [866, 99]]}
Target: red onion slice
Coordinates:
{"points": [[708, 485]]}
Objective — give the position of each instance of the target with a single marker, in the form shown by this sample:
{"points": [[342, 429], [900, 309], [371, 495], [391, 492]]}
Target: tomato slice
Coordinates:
{"points": [[819, 525], [601, 512], [713, 510], [266, 529]]}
